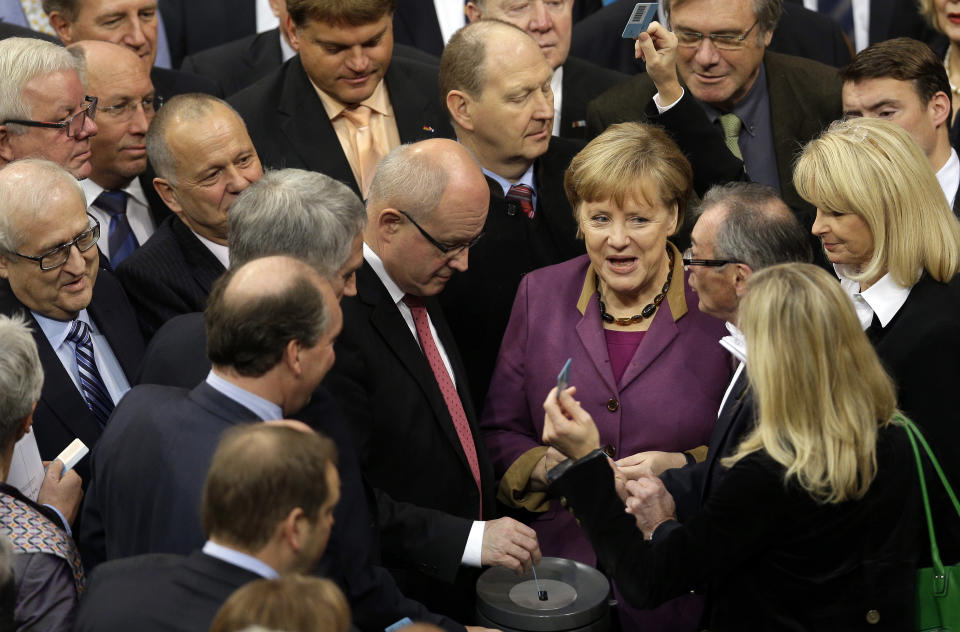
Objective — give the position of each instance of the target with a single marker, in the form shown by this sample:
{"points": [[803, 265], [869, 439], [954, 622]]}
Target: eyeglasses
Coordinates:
{"points": [[124, 111], [59, 255], [723, 41], [73, 123], [451, 250], [688, 261]]}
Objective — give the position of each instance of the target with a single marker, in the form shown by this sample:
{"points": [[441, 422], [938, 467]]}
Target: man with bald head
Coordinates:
{"points": [[85, 329], [45, 112], [401, 383], [204, 159], [497, 87]]}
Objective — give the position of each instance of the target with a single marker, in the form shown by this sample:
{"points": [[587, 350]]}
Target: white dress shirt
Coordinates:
{"points": [[736, 344], [861, 21], [556, 84], [949, 177], [221, 252], [244, 561], [138, 213], [883, 299], [451, 17]]}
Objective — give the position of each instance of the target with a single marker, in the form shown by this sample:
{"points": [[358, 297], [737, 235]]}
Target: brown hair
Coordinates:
{"points": [[339, 12], [293, 603], [463, 63]]}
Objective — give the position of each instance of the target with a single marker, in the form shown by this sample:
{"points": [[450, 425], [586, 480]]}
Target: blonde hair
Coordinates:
{"points": [[875, 170], [619, 162], [819, 388], [293, 603], [928, 10]]}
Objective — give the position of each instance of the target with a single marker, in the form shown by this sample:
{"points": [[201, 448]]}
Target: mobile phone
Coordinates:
{"points": [[640, 19]]}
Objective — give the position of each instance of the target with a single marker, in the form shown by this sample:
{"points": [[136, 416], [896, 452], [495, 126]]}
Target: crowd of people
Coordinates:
{"points": [[305, 301]]}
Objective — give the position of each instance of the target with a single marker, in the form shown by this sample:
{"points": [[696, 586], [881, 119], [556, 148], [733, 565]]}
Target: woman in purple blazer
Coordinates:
{"points": [[645, 359]]}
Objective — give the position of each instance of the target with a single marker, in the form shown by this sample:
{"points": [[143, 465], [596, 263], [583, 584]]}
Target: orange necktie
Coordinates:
{"points": [[368, 154]]}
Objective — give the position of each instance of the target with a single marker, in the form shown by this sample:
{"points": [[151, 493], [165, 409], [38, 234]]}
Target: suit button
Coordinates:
{"points": [[613, 404], [873, 617], [610, 451]]}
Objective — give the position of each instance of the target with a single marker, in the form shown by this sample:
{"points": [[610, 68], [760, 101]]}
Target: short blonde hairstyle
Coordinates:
{"points": [[819, 388], [928, 10], [292, 603], [875, 170], [619, 162]]}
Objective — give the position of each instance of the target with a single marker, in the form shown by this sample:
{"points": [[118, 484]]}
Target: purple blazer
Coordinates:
{"points": [[667, 399]]}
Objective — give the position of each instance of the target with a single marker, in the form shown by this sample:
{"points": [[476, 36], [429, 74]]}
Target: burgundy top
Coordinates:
{"points": [[621, 347]]}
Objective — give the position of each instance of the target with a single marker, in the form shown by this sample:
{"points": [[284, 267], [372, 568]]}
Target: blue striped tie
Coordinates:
{"points": [[120, 236], [91, 384]]}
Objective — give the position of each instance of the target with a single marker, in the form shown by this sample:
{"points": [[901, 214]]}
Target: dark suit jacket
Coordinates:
{"points": [[62, 414], [15, 30], [194, 26], [290, 128], [890, 19], [155, 593], [407, 442], [583, 81], [477, 302], [772, 557], [169, 83], [170, 274]]}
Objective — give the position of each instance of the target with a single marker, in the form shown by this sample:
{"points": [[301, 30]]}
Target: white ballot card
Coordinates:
{"points": [[26, 470]]}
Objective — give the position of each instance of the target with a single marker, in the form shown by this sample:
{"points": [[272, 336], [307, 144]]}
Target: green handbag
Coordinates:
{"points": [[938, 588]]}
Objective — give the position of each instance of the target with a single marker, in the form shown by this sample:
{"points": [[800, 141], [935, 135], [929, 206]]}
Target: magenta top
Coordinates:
{"points": [[621, 347]]}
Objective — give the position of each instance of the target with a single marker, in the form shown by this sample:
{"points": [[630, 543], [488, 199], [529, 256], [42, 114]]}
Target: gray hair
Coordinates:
{"points": [[188, 107], [23, 59], [758, 229], [21, 376], [297, 213], [26, 186], [408, 180], [766, 12]]}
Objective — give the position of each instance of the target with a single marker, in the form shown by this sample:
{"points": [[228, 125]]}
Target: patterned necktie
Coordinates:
{"points": [[91, 384], [449, 391], [522, 195], [842, 13], [368, 154], [36, 18], [732, 125], [120, 239]]}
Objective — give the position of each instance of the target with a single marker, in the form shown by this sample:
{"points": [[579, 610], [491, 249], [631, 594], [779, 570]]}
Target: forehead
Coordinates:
{"points": [[126, 78], [705, 230], [868, 92], [202, 141], [520, 64], [99, 8], [54, 92], [53, 218], [713, 15], [346, 34]]}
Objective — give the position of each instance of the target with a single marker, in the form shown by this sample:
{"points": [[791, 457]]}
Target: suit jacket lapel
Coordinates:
{"points": [[590, 332], [263, 54], [124, 338], [662, 331], [410, 105], [205, 267]]}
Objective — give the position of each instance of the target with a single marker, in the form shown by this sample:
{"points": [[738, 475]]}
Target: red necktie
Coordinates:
{"points": [[522, 194], [449, 391]]}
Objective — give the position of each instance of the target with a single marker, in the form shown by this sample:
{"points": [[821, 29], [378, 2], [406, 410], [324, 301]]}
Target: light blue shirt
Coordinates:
{"points": [[526, 178], [244, 561], [262, 408], [107, 364]]}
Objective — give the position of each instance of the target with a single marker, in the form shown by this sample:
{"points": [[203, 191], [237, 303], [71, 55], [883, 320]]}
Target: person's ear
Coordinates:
{"points": [[291, 356], [939, 109], [292, 33], [168, 194], [388, 222], [460, 106], [27, 422], [63, 27], [742, 273], [473, 12], [6, 149]]}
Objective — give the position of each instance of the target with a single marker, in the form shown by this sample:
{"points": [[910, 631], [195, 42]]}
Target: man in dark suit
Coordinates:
{"points": [[130, 23], [84, 327], [270, 517], [195, 26], [13, 30], [882, 20], [344, 102], [530, 223], [575, 81], [204, 159], [401, 384]]}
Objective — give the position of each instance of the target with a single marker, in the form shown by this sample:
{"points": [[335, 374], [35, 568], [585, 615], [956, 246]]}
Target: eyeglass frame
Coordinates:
{"points": [[727, 39], [450, 251], [128, 108], [688, 260], [89, 111], [95, 230]]}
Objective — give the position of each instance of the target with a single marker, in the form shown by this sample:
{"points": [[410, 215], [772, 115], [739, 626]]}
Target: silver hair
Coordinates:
{"points": [[27, 186], [409, 181], [758, 229], [766, 12], [21, 376], [297, 213], [23, 59]]}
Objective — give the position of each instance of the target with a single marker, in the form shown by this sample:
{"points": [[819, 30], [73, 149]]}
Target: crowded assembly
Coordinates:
{"points": [[539, 315]]}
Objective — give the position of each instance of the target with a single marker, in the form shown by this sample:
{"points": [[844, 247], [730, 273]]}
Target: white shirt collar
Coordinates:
{"points": [[526, 178], [735, 343], [949, 177], [262, 408], [244, 561], [884, 298], [376, 263], [222, 253], [286, 51], [92, 191], [556, 84], [56, 330]]}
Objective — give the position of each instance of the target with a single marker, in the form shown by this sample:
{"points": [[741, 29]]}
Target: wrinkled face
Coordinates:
{"points": [[718, 77], [627, 245], [896, 101], [347, 62], [549, 22], [948, 17], [52, 98], [130, 23], [846, 238], [215, 161], [344, 282], [62, 292], [714, 286]]}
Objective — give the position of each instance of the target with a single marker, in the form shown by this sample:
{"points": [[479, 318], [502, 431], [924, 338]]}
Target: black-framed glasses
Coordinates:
{"points": [[723, 41], [124, 111], [72, 124], [59, 255], [450, 250], [688, 261]]}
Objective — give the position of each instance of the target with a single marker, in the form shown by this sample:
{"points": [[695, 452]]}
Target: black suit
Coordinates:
{"points": [[158, 593], [62, 414], [15, 30], [407, 442], [477, 302], [169, 83], [194, 26], [170, 274], [290, 128], [890, 19], [583, 81]]}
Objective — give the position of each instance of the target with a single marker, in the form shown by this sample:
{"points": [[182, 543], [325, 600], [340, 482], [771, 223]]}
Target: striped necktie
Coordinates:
{"points": [[91, 384], [120, 236]]}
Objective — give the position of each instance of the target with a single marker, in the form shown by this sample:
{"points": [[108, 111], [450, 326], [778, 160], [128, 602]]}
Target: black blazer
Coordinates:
{"points": [[169, 83], [290, 128], [62, 414], [158, 592], [583, 81], [170, 274], [15, 30], [893, 19], [772, 558], [407, 442], [477, 302], [194, 26]]}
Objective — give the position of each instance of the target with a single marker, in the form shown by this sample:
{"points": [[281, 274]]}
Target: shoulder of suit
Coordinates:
{"points": [[265, 93], [406, 69], [800, 68], [163, 245], [580, 70], [224, 52], [560, 152]]}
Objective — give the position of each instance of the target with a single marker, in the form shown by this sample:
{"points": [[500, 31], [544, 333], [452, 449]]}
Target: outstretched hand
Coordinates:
{"points": [[658, 49]]}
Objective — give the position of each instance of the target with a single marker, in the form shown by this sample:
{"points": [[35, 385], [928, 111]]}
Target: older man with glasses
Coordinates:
{"points": [[44, 112], [85, 330]]}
